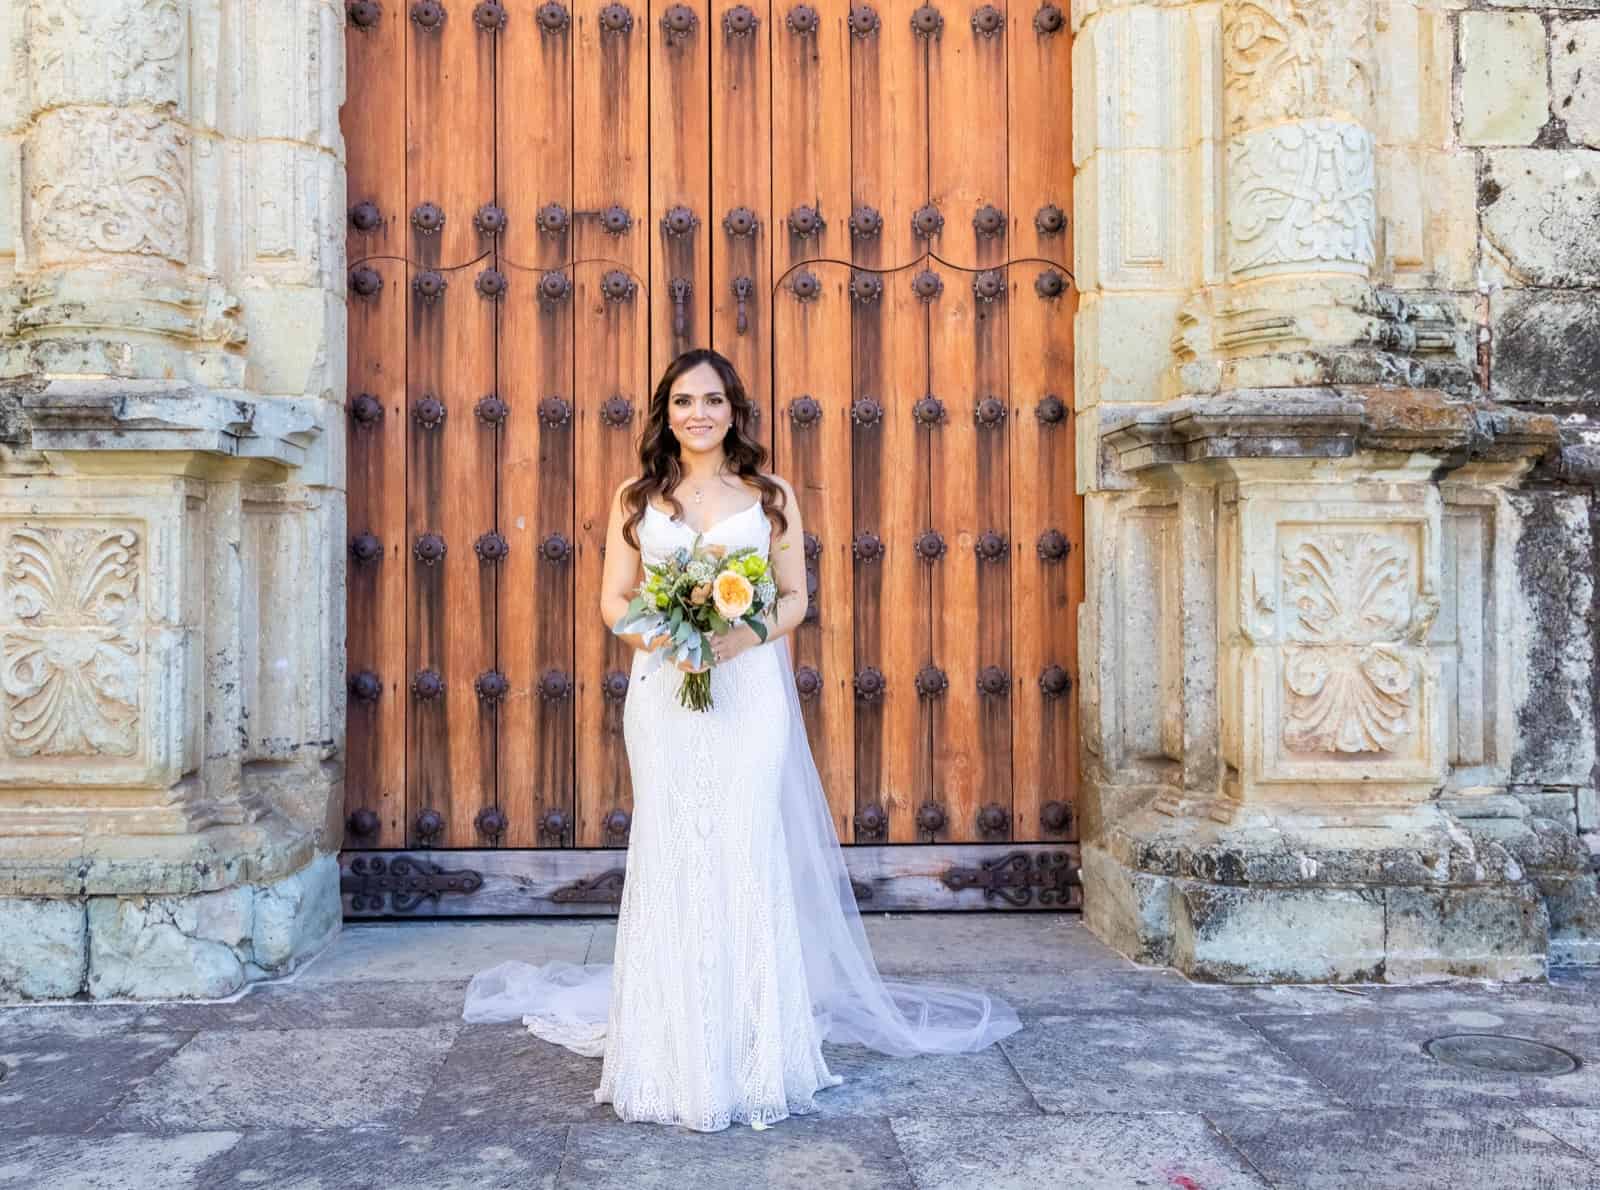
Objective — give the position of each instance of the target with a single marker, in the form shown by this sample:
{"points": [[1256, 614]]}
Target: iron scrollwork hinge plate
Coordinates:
{"points": [[1018, 875], [605, 888], [406, 880]]}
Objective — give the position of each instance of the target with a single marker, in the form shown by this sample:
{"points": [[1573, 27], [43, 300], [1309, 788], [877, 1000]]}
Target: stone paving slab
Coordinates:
{"points": [[51, 1084], [937, 1084], [962, 942], [1575, 1126], [1405, 1149], [378, 1004], [420, 1157], [500, 1074], [1047, 993], [289, 1078], [1133, 1063], [1098, 1151], [800, 1153], [1372, 1059], [283, 1004], [118, 1162], [431, 951]]}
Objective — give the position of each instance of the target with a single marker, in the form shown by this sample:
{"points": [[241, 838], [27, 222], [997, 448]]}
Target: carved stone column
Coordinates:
{"points": [[1299, 647], [171, 512], [1301, 219], [107, 201]]}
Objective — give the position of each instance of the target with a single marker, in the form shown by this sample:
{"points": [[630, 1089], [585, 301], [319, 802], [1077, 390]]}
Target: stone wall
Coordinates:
{"points": [[1528, 115], [172, 362]]}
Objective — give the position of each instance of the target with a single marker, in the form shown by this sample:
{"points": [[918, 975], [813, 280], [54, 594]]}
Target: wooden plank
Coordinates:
{"points": [[969, 476], [743, 158], [889, 359], [373, 121], [810, 150], [680, 169], [451, 483], [611, 343], [537, 608], [1044, 594], [527, 883]]}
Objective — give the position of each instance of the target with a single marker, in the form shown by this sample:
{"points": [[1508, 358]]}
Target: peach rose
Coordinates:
{"points": [[733, 594]]}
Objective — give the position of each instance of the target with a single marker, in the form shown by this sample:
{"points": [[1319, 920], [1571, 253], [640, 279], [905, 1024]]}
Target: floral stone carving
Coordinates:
{"points": [[1351, 686], [112, 52], [70, 657], [118, 182], [1294, 59], [1302, 197]]}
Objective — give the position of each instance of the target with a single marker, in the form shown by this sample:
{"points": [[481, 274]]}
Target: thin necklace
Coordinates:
{"points": [[699, 495]]}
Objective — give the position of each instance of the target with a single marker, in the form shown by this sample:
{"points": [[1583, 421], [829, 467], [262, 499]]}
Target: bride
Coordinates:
{"points": [[739, 948]]}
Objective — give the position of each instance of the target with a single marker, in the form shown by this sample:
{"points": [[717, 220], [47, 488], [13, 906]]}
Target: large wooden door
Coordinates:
{"points": [[864, 208]]}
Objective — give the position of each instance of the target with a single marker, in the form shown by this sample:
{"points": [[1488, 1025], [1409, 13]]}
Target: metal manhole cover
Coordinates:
{"points": [[1502, 1055]]}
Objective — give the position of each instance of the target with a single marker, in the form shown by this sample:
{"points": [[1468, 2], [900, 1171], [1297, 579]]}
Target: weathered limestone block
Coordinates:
{"points": [[1588, 808], [44, 948], [1272, 901], [1505, 99], [1553, 674], [1559, 868], [1575, 89], [1130, 909], [1474, 933], [169, 947], [1546, 347], [187, 946], [1541, 217], [1271, 935], [296, 917], [1563, 5]]}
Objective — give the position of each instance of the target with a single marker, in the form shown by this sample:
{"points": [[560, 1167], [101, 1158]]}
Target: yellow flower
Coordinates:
{"points": [[662, 601], [733, 594]]}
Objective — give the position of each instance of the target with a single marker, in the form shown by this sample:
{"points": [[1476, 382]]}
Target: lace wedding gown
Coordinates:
{"points": [[739, 948]]}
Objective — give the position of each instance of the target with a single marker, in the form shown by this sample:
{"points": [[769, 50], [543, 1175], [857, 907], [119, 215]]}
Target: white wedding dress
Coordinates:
{"points": [[739, 948]]}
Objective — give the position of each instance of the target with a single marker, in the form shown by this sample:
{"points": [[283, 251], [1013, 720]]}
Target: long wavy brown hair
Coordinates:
{"points": [[660, 462]]}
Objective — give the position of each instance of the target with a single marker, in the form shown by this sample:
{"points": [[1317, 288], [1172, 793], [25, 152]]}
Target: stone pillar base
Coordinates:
{"points": [[1420, 899], [183, 945]]}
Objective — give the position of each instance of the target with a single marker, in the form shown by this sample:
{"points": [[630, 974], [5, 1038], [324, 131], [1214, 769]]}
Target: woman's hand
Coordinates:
{"points": [[728, 645], [725, 646]]}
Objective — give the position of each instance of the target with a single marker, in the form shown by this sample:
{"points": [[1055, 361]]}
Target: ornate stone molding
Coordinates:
{"points": [[114, 52], [1324, 422], [1300, 198], [1294, 59], [110, 182], [108, 417]]}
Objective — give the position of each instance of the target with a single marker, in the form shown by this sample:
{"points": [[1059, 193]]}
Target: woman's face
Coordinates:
{"points": [[698, 411]]}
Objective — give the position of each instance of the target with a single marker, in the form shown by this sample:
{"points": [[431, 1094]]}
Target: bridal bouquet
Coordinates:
{"points": [[698, 592]]}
